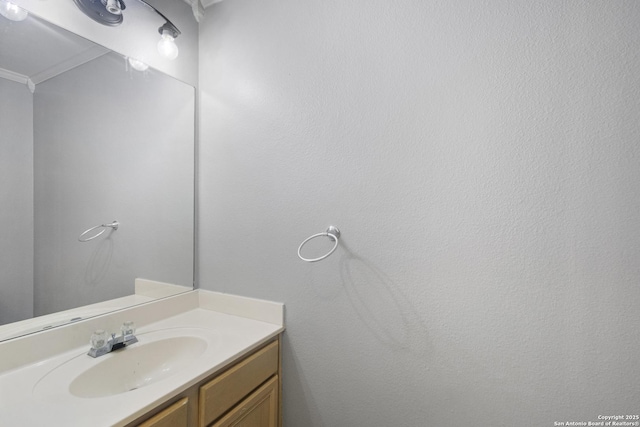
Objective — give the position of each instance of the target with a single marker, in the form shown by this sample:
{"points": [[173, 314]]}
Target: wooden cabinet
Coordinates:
{"points": [[260, 409], [174, 416], [246, 394], [227, 389]]}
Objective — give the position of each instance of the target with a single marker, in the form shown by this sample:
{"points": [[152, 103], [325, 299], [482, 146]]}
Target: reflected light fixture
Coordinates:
{"points": [[12, 12], [136, 64], [109, 12]]}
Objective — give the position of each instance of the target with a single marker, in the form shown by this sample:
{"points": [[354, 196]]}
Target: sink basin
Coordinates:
{"points": [[135, 367], [155, 357]]}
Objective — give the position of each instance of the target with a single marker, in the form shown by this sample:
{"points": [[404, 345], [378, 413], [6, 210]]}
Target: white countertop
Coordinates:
{"points": [[250, 324]]}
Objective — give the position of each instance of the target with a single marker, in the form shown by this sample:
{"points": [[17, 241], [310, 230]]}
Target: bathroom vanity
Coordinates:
{"points": [[246, 394], [94, 209], [202, 359]]}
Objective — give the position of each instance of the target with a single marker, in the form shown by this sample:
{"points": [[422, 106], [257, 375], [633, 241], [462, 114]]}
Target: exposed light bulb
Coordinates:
{"points": [[167, 46], [12, 12], [136, 64]]}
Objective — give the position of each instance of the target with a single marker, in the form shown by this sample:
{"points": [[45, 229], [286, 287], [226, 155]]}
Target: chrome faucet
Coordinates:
{"points": [[101, 345]]}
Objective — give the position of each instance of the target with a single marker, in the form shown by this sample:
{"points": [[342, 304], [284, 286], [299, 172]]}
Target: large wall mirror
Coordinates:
{"points": [[86, 139]]}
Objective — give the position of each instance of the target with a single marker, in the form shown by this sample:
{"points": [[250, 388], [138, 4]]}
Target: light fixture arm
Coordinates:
{"points": [[168, 25], [170, 28]]}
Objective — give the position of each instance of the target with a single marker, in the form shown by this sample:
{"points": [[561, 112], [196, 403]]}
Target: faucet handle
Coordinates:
{"points": [[99, 339], [128, 329]]}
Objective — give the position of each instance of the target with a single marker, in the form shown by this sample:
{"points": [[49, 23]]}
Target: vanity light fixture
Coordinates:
{"points": [[102, 11], [115, 6], [109, 12], [167, 45], [12, 11]]}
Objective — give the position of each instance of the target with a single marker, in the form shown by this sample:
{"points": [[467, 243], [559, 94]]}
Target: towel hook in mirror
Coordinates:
{"points": [[114, 225]]}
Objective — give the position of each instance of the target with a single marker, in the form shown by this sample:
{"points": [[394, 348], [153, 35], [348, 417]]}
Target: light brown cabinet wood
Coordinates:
{"points": [[260, 409], [246, 394], [174, 416], [227, 389]]}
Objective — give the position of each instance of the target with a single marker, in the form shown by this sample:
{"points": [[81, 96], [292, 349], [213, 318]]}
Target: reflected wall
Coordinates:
{"points": [[16, 196], [111, 143]]}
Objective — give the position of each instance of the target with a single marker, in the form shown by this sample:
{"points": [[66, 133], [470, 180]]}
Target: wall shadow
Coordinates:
{"points": [[383, 306], [99, 263]]}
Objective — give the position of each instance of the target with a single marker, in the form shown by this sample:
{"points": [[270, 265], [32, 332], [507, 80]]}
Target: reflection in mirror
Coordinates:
{"points": [[86, 140]]}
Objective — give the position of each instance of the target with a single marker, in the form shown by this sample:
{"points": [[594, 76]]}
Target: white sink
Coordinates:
{"points": [[137, 366], [157, 356]]}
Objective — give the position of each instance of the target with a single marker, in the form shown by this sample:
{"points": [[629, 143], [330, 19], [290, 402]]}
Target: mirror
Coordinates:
{"points": [[85, 140]]}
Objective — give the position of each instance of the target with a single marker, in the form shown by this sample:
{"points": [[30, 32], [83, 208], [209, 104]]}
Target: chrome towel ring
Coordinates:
{"points": [[114, 225], [332, 232]]}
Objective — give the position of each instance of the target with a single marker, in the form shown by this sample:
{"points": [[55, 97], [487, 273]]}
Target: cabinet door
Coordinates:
{"points": [[259, 409], [174, 416], [224, 392]]}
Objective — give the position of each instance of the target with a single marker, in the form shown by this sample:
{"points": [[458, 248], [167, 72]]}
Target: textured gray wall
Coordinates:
{"points": [[111, 145], [482, 161], [16, 209]]}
